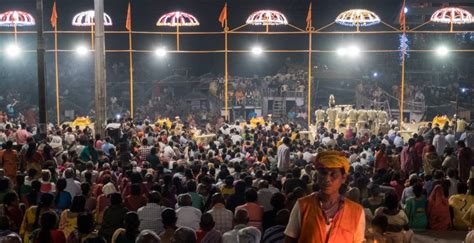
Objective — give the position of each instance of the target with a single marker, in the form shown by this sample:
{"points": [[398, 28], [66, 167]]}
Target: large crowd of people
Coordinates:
{"points": [[243, 182]]}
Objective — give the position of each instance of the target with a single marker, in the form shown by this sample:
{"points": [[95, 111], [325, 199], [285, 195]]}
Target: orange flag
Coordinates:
{"points": [[402, 19], [128, 23], [54, 16], [223, 16], [309, 16]]}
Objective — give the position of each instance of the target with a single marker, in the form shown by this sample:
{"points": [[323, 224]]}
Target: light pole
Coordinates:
{"points": [[41, 71], [100, 79]]}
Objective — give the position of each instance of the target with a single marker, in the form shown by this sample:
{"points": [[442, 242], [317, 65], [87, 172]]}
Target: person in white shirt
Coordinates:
{"points": [[329, 141], [73, 186], [450, 139], [439, 141], [398, 141], [241, 219], [168, 152], [236, 138], [283, 155], [188, 216], [150, 214]]}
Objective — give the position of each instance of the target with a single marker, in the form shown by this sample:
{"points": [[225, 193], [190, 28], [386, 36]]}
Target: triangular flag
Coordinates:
{"points": [[402, 19], [223, 15], [128, 23], [54, 16], [309, 16]]}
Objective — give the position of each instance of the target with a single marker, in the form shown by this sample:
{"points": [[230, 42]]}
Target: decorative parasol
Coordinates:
{"points": [[86, 18], [267, 17], [452, 16], [177, 19], [16, 18], [357, 18]]}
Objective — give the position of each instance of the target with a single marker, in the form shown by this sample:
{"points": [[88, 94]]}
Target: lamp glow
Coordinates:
{"points": [[13, 50], [341, 51], [442, 51], [257, 50], [161, 52], [353, 51], [82, 50]]}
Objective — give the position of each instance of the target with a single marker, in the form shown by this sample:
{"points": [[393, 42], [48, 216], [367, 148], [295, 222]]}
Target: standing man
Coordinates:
{"points": [[320, 115], [326, 216], [382, 121], [352, 118], [362, 117], [341, 117], [283, 156], [332, 115], [372, 115]]}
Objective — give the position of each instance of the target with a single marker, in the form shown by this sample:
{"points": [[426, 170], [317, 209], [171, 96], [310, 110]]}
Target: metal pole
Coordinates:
{"points": [[309, 74], [100, 78], [402, 90], [58, 113], [41, 71], [226, 76], [130, 47]]}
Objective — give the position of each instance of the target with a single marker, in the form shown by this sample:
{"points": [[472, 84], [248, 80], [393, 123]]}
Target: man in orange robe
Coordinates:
{"points": [[326, 216]]}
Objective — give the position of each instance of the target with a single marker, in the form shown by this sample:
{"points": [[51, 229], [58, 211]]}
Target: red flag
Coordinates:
{"points": [[309, 16], [223, 16], [128, 23], [54, 16], [402, 19]]}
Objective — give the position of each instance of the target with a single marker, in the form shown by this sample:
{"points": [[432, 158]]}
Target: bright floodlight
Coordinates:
{"points": [[13, 50], [256, 50], [341, 51], [161, 52], [442, 51], [353, 51], [463, 90], [82, 50], [405, 10], [375, 74]]}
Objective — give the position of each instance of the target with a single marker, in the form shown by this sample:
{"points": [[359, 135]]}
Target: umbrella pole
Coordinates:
{"points": [[131, 72], [15, 33], [226, 75], [92, 37], [177, 37], [310, 47], [58, 119]]}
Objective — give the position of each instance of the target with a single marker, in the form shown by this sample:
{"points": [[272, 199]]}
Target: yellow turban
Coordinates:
{"points": [[332, 159]]}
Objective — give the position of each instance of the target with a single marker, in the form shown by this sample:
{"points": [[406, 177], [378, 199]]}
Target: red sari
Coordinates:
{"points": [[439, 217]]}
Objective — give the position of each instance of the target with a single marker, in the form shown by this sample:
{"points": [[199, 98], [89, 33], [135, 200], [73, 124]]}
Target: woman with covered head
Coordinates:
{"points": [[439, 217]]}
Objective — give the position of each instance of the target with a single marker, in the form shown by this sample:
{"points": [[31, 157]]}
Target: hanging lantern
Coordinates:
{"points": [[16, 18], [358, 17], [452, 16], [267, 17], [86, 18], [177, 18]]}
